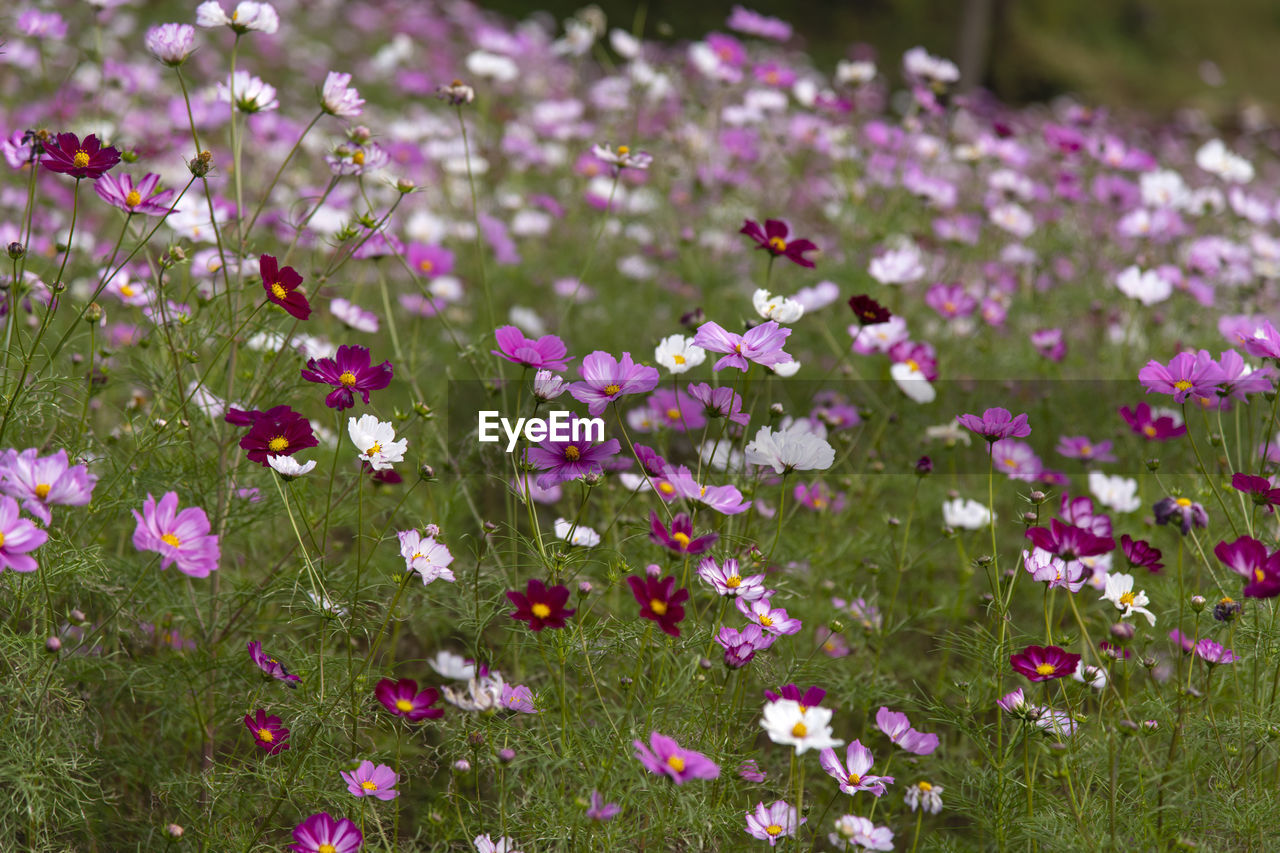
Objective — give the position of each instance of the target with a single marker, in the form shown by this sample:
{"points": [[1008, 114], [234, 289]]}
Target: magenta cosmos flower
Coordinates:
{"points": [[1042, 663], [122, 193], [680, 538], [663, 756], [540, 605], [761, 344], [660, 601], [87, 159], [605, 379], [1142, 423], [741, 646], [402, 699], [1260, 489], [773, 239], [996, 424], [546, 353], [897, 727], [1213, 653], [18, 537], [321, 833], [178, 537], [268, 732], [1183, 512], [1068, 542], [279, 431], [1250, 559], [370, 780], [282, 286], [1187, 375], [43, 482], [350, 370], [270, 665], [773, 822], [562, 461]]}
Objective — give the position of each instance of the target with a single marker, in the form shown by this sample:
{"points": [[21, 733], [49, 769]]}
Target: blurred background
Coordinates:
{"points": [[1158, 56]]}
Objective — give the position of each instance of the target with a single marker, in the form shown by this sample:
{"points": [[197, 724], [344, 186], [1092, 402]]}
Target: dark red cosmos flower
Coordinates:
{"points": [[1153, 429], [269, 733], [276, 432], [1042, 663], [87, 159], [1140, 554], [281, 286], [868, 311], [1068, 542], [658, 602], [403, 699], [680, 539], [540, 605], [349, 370], [773, 239], [1258, 488]]}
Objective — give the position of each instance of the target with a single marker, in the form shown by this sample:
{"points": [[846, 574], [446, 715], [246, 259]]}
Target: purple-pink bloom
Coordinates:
{"points": [[18, 536], [270, 665], [517, 697], [43, 482], [600, 810], [773, 822], [720, 402], [350, 370], [1264, 342], [728, 581], [1068, 542], [773, 619], [178, 537], [562, 461], [755, 24], [897, 726], [321, 833], [370, 780], [546, 353], [995, 424], [605, 379], [853, 775], [119, 191], [680, 539], [663, 756], [1187, 375], [751, 771], [741, 646], [1213, 653], [1081, 447], [761, 344]]}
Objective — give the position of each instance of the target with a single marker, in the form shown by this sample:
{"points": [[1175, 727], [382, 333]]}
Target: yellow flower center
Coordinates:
{"points": [[1182, 384], [678, 358], [948, 306], [572, 453], [1086, 450], [170, 539], [326, 848], [913, 364], [773, 829], [540, 610], [265, 734], [1149, 431], [682, 539], [374, 449], [1258, 575], [676, 763], [612, 389], [733, 581], [854, 779], [1127, 599], [819, 503], [666, 488], [1183, 502], [277, 444], [777, 244], [658, 606], [799, 730], [1228, 600], [127, 290], [369, 785], [1, 539], [404, 705], [42, 490], [1045, 669], [766, 620], [425, 265], [81, 159], [347, 378], [673, 414], [358, 158], [278, 291], [623, 150], [771, 77], [133, 199], [1010, 462]]}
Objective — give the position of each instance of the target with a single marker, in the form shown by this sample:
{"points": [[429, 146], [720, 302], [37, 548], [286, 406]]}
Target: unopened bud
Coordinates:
{"points": [[1197, 603], [924, 465], [174, 830], [404, 185], [462, 766], [93, 314], [1122, 631], [1153, 464], [53, 644], [426, 472], [16, 250], [1036, 497], [506, 756], [475, 739]]}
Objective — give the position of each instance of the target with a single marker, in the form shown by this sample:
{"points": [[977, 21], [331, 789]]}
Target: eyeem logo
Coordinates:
{"points": [[560, 426]]}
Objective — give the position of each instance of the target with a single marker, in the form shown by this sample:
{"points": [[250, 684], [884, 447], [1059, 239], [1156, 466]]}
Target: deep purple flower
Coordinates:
{"points": [[1042, 663], [43, 482], [898, 728], [120, 192], [664, 756], [605, 379], [546, 353], [809, 698], [773, 239], [1182, 511], [370, 780], [18, 537], [268, 732], [178, 537], [761, 344], [1258, 488], [600, 810], [87, 159], [1187, 375], [660, 601], [1140, 554], [402, 699], [1069, 543], [562, 461], [1250, 559], [868, 311], [350, 370], [321, 833], [741, 646], [540, 605], [680, 538], [282, 285], [1182, 640], [996, 424], [279, 431], [1140, 421], [270, 665]]}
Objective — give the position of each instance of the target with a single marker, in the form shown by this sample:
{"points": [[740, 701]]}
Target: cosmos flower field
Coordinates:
{"points": [[930, 503]]}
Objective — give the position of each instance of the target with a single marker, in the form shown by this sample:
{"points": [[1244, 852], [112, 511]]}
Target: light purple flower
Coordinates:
{"points": [[995, 424], [741, 646], [773, 619], [605, 379], [728, 581], [1213, 653], [773, 822], [369, 780], [18, 536], [517, 698], [1185, 376], [178, 537], [171, 43], [663, 756], [762, 344], [600, 810], [546, 353], [338, 98], [896, 725], [43, 482], [119, 190], [426, 556], [853, 775]]}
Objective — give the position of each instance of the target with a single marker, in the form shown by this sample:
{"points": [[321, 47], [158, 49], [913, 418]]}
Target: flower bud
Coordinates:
{"points": [[506, 756], [16, 250], [1153, 465], [94, 313], [1122, 631], [201, 164], [53, 645], [77, 615], [475, 739], [426, 472], [404, 185], [462, 766], [174, 830], [924, 465], [1197, 603]]}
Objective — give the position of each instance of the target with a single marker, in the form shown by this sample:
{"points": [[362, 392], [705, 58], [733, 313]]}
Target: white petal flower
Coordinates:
{"points": [[288, 467], [1120, 593], [576, 535], [376, 442], [790, 724], [792, 449], [966, 514], [779, 308], [678, 354]]}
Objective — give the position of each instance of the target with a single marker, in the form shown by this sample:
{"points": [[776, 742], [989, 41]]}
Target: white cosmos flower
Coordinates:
{"points": [[1147, 287], [790, 724], [494, 66], [426, 556], [912, 381], [449, 665], [854, 73], [779, 308], [259, 17], [787, 369], [794, 448], [1120, 593], [376, 441], [1094, 676], [252, 95], [678, 354], [579, 535], [1214, 158], [898, 266], [966, 514], [1115, 492], [339, 98], [288, 467]]}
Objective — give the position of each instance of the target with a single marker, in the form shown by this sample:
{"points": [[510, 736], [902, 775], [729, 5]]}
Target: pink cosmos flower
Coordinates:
{"points": [[563, 461], [897, 726], [680, 538], [772, 619], [754, 24], [996, 424], [761, 344], [270, 666], [1264, 342], [728, 581], [120, 192], [600, 810], [663, 756], [1185, 376], [1016, 459], [268, 732], [43, 482], [774, 822], [1213, 653], [321, 833], [546, 353], [370, 780], [1042, 663], [350, 370], [853, 775], [605, 379], [18, 537], [1081, 447], [1142, 423], [178, 537], [720, 402], [741, 646]]}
